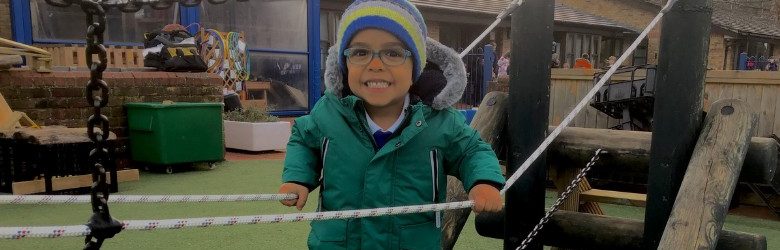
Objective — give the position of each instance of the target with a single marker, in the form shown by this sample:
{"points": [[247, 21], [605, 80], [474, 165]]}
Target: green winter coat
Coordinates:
{"points": [[332, 149]]}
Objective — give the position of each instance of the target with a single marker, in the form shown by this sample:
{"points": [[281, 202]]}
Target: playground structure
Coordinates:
{"points": [[687, 152]]}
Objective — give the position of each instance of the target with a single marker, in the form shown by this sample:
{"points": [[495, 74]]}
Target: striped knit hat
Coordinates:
{"points": [[398, 17]]}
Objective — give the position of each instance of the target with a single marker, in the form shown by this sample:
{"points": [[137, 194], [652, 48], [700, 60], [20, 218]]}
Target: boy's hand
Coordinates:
{"points": [[292, 188], [486, 198]]}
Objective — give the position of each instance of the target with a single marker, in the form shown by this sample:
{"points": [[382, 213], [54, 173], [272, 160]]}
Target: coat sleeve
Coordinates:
{"points": [[469, 158], [302, 160]]}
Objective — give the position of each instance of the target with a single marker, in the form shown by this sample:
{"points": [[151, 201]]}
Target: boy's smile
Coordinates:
{"points": [[380, 85]]}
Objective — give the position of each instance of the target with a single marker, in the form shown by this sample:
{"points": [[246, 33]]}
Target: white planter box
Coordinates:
{"points": [[257, 136]]}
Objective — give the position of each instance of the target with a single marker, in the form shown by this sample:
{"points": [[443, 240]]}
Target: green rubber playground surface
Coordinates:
{"points": [[240, 177]]}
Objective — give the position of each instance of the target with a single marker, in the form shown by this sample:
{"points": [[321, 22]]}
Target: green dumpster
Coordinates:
{"points": [[167, 134]]}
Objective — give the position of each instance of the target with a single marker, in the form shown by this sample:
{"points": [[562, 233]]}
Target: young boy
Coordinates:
{"points": [[385, 135]]}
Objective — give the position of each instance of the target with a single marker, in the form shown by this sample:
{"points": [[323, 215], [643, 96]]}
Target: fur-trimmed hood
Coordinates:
{"points": [[446, 65]]}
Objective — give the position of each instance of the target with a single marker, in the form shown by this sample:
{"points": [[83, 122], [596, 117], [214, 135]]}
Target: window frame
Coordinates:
{"points": [[21, 30]]}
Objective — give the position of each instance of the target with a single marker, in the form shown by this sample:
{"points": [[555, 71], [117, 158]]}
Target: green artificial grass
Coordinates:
{"points": [[240, 177]]}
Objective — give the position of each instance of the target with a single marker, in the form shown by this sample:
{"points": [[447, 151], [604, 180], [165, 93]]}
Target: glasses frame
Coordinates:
{"points": [[376, 53]]}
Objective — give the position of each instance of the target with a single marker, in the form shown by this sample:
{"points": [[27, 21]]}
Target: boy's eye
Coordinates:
{"points": [[359, 52], [395, 53]]}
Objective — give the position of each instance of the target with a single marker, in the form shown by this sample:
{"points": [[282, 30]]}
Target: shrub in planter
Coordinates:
{"points": [[254, 129]]}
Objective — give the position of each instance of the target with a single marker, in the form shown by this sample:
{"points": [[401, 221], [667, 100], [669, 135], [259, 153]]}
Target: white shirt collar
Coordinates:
{"points": [[374, 128]]}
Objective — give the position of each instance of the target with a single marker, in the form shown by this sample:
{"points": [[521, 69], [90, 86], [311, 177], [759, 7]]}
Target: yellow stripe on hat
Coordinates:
{"points": [[419, 43]]}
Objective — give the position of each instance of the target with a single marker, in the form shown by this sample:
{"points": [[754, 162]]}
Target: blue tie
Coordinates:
{"points": [[381, 138]]}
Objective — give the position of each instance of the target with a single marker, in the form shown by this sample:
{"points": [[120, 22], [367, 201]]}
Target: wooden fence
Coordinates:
{"points": [[75, 55], [760, 89]]}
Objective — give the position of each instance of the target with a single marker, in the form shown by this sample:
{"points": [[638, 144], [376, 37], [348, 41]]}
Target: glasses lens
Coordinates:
{"points": [[359, 56], [393, 56]]}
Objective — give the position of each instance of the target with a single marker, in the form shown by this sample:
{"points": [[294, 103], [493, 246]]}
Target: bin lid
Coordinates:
{"points": [[157, 105]]}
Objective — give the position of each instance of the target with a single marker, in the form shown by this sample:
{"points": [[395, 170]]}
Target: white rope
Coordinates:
{"points": [[512, 6], [82, 230], [71, 199], [585, 100]]}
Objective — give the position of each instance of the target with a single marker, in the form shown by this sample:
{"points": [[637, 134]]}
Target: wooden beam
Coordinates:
{"points": [[589, 231], [614, 197], [529, 107], [705, 193], [69, 182], [9, 43], [489, 121], [630, 151], [677, 114]]}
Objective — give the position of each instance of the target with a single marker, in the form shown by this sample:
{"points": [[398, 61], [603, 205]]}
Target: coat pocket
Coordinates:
{"points": [[328, 234], [420, 236]]}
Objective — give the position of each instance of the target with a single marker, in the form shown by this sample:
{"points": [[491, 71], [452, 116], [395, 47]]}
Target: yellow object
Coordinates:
{"points": [[10, 119]]}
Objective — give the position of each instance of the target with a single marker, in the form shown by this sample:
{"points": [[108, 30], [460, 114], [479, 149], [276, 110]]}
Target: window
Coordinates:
{"points": [[278, 25], [288, 75], [756, 54], [56, 23], [276, 34], [610, 47], [578, 44], [640, 54]]}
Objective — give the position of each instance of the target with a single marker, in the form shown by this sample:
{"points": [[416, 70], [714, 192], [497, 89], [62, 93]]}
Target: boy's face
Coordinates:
{"points": [[379, 85]]}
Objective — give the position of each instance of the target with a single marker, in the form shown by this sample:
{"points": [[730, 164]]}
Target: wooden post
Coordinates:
{"points": [[529, 98], [590, 231], [705, 194], [489, 121], [682, 66]]}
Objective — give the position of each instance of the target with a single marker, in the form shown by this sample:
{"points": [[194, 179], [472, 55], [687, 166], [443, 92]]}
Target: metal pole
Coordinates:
{"points": [[682, 67], [529, 97]]}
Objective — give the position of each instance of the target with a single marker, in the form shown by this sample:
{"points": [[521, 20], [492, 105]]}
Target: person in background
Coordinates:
{"points": [[503, 65], [583, 62]]}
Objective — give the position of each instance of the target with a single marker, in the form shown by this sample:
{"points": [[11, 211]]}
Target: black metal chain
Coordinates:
{"points": [[101, 224], [569, 189]]}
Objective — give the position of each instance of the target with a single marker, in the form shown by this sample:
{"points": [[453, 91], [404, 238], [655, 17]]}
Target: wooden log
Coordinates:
{"points": [[708, 185], [8, 61], [590, 231], [489, 121], [630, 151]]}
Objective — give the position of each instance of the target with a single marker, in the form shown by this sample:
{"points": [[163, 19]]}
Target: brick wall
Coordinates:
{"points": [[717, 54], [5, 19], [59, 98]]}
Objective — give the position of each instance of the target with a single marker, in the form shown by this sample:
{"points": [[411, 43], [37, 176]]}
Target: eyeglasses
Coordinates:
{"points": [[390, 57]]}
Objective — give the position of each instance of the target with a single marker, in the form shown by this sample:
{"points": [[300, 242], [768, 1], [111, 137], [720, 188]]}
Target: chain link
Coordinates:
{"points": [[569, 189]]}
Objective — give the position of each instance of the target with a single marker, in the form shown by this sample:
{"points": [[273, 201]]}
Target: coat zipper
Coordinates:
{"points": [[323, 153], [435, 181]]}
